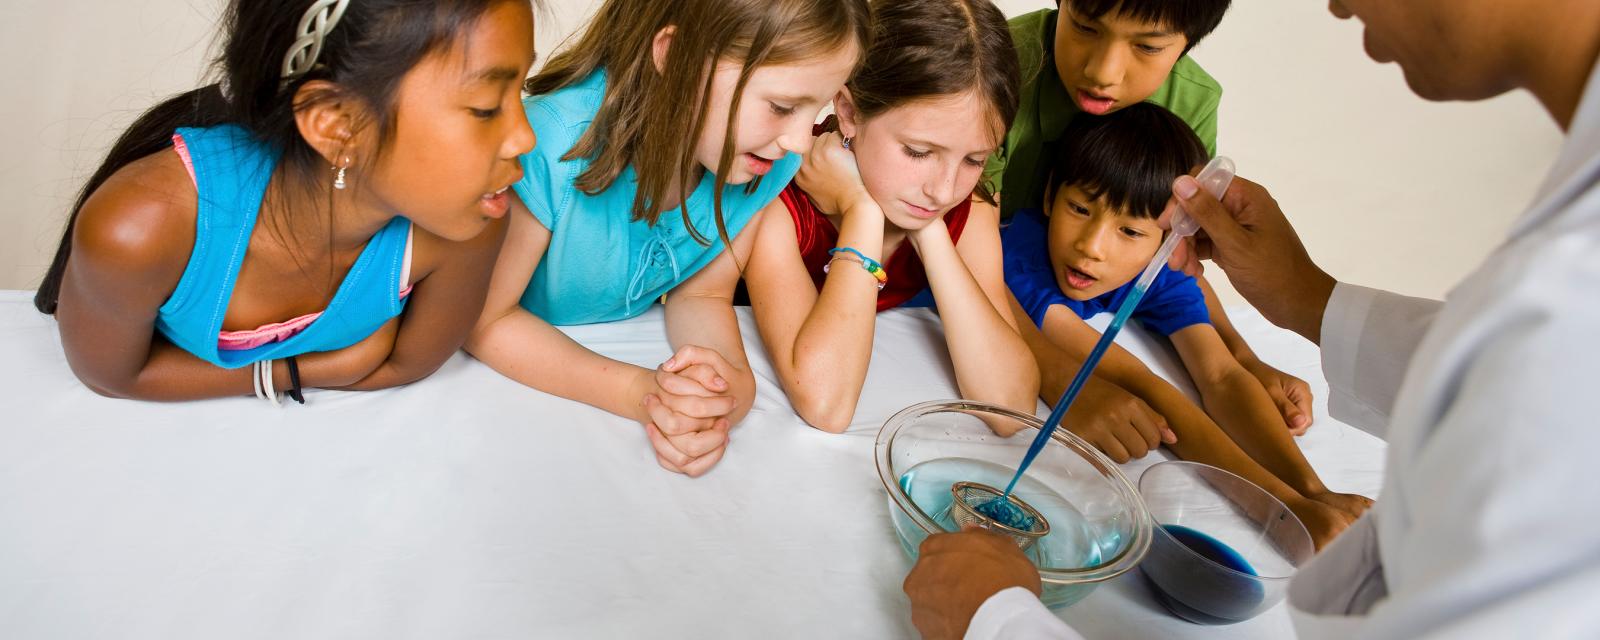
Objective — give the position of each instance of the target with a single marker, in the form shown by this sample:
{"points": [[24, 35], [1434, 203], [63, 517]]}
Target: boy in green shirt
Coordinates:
{"points": [[1097, 56], [1093, 57]]}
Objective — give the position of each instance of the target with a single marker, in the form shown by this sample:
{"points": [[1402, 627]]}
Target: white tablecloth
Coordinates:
{"points": [[468, 506]]}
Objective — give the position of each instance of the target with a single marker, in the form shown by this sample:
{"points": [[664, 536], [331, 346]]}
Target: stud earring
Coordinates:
{"points": [[846, 142]]}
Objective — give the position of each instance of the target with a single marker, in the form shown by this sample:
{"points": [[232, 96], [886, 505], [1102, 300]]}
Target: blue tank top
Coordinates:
{"points": [[231, 172]]}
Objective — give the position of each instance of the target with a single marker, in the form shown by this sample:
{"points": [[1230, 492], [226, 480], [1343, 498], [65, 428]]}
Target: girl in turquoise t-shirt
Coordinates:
{"points": [[663, 131]]}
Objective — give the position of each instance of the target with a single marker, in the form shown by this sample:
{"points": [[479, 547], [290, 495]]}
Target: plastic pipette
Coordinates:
{"points": [[1214, 179]]}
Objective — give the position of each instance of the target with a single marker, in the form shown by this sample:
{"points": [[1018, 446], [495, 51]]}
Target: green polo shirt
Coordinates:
{"points": [[1046, 108]]}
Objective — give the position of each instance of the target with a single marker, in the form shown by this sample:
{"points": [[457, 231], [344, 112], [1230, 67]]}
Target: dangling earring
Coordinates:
{"points": [[846, 143], [338, 178]]}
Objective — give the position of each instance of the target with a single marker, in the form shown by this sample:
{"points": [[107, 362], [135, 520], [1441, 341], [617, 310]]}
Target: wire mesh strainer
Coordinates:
{"points": [[964, 509]]}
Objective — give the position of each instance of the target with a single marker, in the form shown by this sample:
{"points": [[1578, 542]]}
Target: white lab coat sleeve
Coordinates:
{"points": [[1368, 338], [1502, 540], [1017, 614]]}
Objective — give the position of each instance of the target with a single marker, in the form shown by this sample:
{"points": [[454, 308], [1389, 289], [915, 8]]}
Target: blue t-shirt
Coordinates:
{"points": [[1174, 301], [601, 264]]}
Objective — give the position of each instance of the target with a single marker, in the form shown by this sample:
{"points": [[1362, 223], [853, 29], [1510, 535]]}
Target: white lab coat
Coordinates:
{"points": [[1489, 520]]}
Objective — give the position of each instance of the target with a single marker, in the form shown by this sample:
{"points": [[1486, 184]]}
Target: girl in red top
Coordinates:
{"points": [[888, 206]]}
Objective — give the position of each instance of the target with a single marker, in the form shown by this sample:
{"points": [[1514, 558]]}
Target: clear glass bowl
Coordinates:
{"points": [[1099, 528], [1224, 548]]}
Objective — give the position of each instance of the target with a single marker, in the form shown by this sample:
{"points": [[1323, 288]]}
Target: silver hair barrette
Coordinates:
{"points": [[319, 20]]}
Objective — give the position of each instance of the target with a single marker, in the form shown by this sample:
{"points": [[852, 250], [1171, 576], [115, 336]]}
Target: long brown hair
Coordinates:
{"points": [[929, 48], [652, 120]]}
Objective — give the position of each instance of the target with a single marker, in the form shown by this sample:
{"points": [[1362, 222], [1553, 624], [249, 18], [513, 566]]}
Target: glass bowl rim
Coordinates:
{"points": [[1126, 558], [1160, 529]]}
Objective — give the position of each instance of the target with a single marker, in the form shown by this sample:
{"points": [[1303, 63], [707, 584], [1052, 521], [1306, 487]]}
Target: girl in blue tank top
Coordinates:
{"points": [[325, 216], [663, 130]]}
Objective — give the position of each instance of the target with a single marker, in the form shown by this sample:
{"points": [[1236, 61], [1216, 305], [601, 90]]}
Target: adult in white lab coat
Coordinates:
{"points": [[1488, 524]]}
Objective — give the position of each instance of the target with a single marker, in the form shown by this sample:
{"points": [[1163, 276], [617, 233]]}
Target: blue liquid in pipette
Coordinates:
{"points": [[1100, 347]]}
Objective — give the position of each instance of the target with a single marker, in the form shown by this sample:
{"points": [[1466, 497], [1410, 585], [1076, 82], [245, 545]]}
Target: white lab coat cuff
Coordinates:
{"points": [[1017, 613], [1344, 325]]}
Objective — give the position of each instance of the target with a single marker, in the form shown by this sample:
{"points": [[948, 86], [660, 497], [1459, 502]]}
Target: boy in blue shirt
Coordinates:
{"points": [[1088, 58], [1107, 183]]}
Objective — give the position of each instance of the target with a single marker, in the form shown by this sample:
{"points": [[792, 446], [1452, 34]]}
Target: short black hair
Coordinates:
{"points": [[1129, 157], [1195, 18]]}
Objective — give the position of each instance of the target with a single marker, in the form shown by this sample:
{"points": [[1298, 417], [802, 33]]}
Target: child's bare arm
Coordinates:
{"points": [[992, 363], [1241, 407], [1199, 438], [1108, 416], [439, 313], [525, 348], [687, 431], [131, 245], [1072, 335], [820, 343], [1291, 395], [700, 314]]}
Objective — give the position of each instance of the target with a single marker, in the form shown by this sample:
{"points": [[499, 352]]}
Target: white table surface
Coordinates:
{"points": [[468, 506]]}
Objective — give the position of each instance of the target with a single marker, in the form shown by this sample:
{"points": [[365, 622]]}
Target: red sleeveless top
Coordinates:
{"points": [[816, 235]]}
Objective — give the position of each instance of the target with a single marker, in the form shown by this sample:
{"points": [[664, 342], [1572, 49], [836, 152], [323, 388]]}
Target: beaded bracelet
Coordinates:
{"points": [[872, 266]]}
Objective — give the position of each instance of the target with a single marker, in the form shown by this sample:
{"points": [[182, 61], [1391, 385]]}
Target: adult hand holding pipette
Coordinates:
{"points": [[1247, 234]]}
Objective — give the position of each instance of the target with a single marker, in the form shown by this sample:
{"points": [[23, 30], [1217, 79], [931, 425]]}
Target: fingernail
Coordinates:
{"points": [[1185, 187], [1168, 436], [671, 362], [719, 382]]}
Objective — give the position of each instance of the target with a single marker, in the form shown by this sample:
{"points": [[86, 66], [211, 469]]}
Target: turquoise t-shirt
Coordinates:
{"points": [[601, 264]]}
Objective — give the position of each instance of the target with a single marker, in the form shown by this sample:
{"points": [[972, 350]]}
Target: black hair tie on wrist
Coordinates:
{"points": [[294, 381]]}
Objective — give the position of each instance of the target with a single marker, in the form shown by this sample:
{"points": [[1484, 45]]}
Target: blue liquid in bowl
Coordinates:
{"points": [[1210, 547], [1003, 511], [1074, 541], [1198, 591]]}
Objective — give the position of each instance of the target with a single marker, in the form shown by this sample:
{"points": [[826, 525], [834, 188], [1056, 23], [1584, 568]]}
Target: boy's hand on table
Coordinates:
{"points": [[1290, 394], [1116, 422]]}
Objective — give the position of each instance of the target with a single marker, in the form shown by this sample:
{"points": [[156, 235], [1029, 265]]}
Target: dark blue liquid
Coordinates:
{"points": [[1195, 590], [1210, 547]]}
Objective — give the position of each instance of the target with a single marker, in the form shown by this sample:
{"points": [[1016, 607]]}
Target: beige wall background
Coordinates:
{"points": [[1386, 189]]}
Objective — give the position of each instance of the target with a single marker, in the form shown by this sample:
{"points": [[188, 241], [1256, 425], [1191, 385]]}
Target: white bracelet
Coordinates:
{"points": [[255, 379], [267, 385]]}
